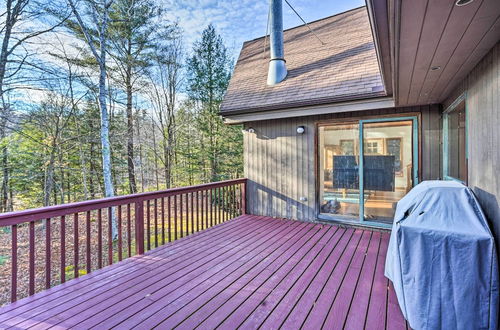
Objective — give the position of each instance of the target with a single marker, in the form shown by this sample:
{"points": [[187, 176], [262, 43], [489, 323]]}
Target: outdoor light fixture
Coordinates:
{"points": [[463, 2], [435, 68], [300, 129], [251, 130]]}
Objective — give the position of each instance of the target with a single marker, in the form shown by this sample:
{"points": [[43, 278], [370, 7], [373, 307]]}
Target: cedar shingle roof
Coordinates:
{"points": [[345, 68]]}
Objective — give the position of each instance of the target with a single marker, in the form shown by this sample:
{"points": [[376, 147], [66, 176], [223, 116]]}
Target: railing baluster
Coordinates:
{"points": [[192, 212], [88, 242], [129, 232], [31, 290], [13, 279], [156, 222], [139, 227], [203, 198], [233, 201], [99, 238], [63, 249], [182, 214], [75, 245], [175, 217], [224, 202], [48, 244], [243, 198], [169, 214], [211, 207], [197, 211], [219, 204], [148, 224], [110, 236], [194, 209], [120, 252], [163, 220]]}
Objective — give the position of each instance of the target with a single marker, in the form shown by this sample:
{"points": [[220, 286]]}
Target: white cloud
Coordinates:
{"points": [[241, 20]]}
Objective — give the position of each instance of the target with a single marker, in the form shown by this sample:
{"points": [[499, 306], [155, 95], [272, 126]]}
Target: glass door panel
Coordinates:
{"points": [[387, 167], [339, 170]]}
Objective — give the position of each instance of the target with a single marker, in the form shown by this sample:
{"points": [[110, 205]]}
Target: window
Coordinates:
{"points": [[455, 141], [372, 147]]}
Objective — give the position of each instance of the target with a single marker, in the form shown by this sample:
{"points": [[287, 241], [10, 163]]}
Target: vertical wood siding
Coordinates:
{"points": [[280, 164], [483, 110]]}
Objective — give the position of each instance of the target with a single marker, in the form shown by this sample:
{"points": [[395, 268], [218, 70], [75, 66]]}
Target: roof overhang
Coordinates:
{"points": [[360, 105], [431, 45]]}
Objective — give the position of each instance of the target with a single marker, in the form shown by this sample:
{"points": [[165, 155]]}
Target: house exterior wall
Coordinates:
{"points": [[281, 166], [482, 88]]}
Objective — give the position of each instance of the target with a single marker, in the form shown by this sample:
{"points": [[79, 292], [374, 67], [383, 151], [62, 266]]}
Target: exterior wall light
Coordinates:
{"points": [[251, 130], [301, 129]]}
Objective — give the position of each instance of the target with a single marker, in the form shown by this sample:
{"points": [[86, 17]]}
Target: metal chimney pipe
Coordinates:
{"points": [[277, 67]]}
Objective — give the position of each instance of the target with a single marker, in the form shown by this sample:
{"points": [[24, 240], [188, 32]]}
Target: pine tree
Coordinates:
{"points": [[208, 77]]}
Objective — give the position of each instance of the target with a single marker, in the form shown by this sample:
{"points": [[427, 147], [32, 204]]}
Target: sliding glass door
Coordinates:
{"points": [[367, 188]]}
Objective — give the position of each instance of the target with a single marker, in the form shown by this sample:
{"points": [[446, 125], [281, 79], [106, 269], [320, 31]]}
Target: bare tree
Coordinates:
{"points": [[12, 61], [165, 84], [98, 12]]}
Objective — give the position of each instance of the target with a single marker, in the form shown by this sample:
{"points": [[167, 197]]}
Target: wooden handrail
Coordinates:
{"points": [[17, 217], [144, 220]]}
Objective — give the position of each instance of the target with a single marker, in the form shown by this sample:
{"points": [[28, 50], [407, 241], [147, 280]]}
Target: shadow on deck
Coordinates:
{"points": [[249, 272]]}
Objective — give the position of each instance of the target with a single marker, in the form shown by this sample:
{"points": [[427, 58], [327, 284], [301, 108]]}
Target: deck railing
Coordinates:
{"points": [[77, 238]]}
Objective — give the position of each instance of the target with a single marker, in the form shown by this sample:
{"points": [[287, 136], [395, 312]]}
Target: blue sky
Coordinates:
{"points": [[240, 20]]}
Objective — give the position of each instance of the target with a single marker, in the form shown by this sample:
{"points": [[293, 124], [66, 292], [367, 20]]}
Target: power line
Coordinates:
{"points": [[267, 30], [288, 3]]}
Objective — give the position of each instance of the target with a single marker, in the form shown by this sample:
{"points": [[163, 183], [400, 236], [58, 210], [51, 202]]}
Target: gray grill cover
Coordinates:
{"points": [[442, 259]]}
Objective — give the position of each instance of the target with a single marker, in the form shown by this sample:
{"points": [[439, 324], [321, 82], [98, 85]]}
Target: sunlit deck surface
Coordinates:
{"points": [[249, 272]]}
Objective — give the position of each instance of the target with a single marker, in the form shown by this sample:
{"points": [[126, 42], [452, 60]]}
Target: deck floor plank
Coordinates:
{"points": [[185, 319], [321, 308], [281, 300], [360, 302], [171, 301], [140, 288], [250, 272], [148, 266], [105, 275], [377, 309], [263, 284]]}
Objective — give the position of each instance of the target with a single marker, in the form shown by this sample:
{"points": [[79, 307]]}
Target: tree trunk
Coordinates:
{"points": [[130, 136], [49, 178]]}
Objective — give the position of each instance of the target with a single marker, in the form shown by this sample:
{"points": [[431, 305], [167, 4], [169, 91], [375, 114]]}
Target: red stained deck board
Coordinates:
{"points": [[310, 294], [393, 311], [194, 298], [359, 305], [165, 309], [377, 310], [101, 276], [321, 308], [143, 265], [138, 289], [214, 303], [208, 277], [338, 311], [223, 275], [286, 298], [261, 284]]}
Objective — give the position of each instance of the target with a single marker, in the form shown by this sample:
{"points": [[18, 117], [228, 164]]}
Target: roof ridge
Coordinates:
{"points": [[311, 22]]}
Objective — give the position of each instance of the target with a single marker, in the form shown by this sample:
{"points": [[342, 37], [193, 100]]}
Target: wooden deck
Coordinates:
{"points": [[249, 272]]}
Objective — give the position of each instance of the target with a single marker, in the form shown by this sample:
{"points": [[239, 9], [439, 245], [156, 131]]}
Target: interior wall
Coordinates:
{"points": [[281, 168], [482, 88]]}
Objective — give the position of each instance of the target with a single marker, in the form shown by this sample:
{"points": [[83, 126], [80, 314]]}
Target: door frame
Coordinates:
{"points": [[417, 161], [415, 158]]}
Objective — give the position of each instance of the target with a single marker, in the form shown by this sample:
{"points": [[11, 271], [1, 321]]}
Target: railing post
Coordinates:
{"points": [[244, 197], [139, 227]]}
